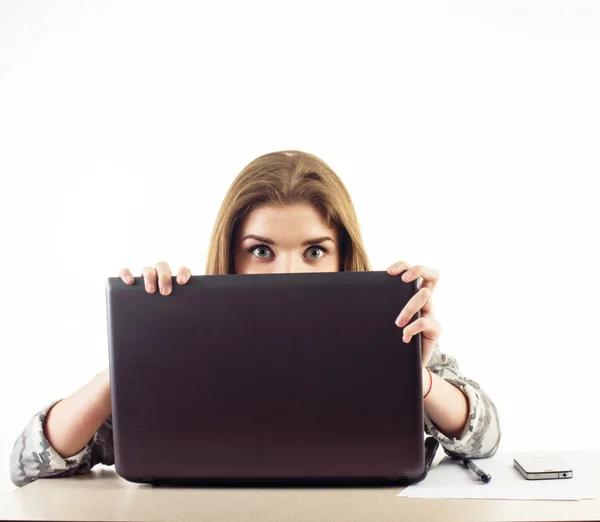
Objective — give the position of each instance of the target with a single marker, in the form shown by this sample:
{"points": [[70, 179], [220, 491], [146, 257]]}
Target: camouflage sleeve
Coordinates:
{"points": [[33, 457], [481, 436]]}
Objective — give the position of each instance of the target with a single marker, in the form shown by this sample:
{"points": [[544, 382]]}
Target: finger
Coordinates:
{"points": [[149, 279], [183, 275], [425, 325], [429, 275], [419, 301], [164, 277], [398, 267], [126, 276]]}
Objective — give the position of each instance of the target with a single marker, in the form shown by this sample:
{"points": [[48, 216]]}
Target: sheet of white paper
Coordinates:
{"points": [[450, 479]]}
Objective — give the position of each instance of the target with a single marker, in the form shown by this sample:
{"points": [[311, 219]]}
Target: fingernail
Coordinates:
{"points": [[400, 321], [150, 287], [393, 268], [180, 279], [166, 290], [407, 275], [129, 279]]}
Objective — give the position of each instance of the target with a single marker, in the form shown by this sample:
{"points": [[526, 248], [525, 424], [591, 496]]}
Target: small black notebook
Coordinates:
{"points": [[431, 447]]}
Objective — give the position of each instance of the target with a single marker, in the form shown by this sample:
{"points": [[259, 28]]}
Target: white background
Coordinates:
{"points": [[467, 133]]}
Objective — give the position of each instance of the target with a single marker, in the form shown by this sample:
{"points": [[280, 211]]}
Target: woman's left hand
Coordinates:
{"points": [[427, 324]]}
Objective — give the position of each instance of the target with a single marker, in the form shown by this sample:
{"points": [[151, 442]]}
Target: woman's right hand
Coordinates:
{"points": [[158, 277]]}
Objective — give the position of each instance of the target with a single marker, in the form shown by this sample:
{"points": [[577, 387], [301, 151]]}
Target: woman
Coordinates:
{"points": [[282, 206]]}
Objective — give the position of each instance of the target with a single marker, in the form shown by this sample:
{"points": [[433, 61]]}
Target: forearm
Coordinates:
{"points": [[446, 405], [72, 422]]}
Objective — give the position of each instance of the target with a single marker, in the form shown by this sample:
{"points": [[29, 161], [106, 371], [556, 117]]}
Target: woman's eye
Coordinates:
{"points": [[316, 249], [263, 251]]}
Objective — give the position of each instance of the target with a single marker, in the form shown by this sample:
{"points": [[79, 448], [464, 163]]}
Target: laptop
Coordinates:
{"points": [[265, 379]]}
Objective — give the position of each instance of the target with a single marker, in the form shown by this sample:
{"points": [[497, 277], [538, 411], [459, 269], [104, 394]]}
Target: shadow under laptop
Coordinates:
{"points": [[281, 483]]}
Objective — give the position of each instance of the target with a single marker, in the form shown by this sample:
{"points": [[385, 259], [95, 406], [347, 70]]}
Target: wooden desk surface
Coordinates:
{"points": [[102, 496]]}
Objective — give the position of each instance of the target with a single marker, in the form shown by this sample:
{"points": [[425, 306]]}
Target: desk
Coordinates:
{"points": [[102, 496]]}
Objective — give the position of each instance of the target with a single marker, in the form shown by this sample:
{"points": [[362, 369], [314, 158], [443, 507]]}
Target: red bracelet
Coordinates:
{"points": [[430, 383]]}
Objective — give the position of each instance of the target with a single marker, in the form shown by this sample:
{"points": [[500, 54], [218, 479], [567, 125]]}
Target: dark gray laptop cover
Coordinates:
{"points": [[266, 378]]}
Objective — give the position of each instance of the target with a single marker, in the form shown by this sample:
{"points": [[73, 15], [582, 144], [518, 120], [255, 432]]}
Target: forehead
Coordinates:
{"points": [[298, 221], [301, 218]]}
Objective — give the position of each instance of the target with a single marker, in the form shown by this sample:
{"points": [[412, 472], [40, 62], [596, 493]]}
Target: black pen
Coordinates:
{"points": [[485, 478]]}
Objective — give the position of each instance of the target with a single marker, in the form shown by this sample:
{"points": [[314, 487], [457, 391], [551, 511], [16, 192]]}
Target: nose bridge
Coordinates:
{"points": [[289, 262]]}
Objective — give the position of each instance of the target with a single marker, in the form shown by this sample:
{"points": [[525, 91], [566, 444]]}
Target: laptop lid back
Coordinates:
{"points": [[265, 376]]}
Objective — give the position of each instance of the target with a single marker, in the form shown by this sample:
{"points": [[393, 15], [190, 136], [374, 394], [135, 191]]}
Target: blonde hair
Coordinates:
{"points": [[280, 178]]}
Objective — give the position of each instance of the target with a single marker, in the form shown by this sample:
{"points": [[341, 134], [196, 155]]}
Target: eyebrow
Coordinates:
{"points": [[268, 241]]}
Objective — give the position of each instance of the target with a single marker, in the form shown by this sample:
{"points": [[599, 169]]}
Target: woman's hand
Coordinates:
{"points": [[158, 277], [427, 324]]}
